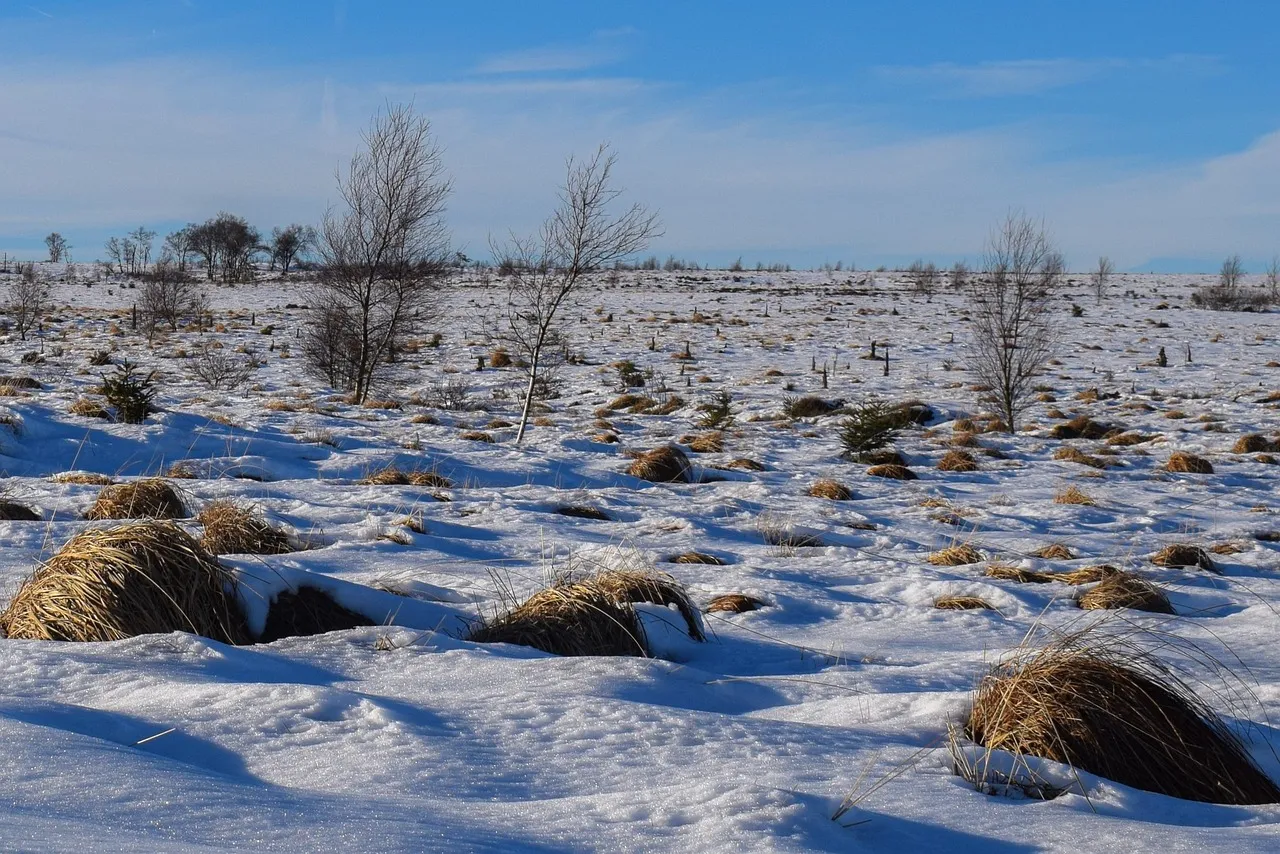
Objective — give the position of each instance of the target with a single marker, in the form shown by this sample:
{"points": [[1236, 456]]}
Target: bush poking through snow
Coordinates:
{"points": [[308, 611], [151, 498], [1113, 712], [892, 471], [667, 464], [831, 490], [1126, 590], [129, 392], [1073, 495], [115, 583], [1184, 554], [961, 554], [733, 603], [962, 603], [957, 461], [232, 529], [1184, 463]]}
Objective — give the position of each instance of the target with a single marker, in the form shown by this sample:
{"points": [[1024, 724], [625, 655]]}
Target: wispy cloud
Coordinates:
{"points": [[1032, 76], [546, 59]]}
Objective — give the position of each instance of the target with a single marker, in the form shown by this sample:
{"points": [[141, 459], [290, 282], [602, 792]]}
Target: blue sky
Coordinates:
{"points": [[869, 132]]}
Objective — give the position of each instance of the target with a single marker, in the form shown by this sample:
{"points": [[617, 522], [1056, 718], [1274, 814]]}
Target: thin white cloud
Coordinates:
{"points": [[1031, 76], [541, 60]]}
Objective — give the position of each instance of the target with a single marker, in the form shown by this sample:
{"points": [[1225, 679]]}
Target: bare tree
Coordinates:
{"points": [[1231, 274], [384, 255], [582, 236], [221, 370], [28, 299], [288, 243], [1100, 276], [923, 277], [177, 246], [1273, 278], [140, 240], [1009, 303], [58, 247], [168, 295], [959, 275]]}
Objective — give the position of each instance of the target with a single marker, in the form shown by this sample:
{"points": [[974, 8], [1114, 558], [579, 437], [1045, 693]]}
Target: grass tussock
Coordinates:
{"points": [[1073, 495], [711, 442], [1004, 572], [1182, 462], [807, 406], [1254, 443], [477, 436], [1126, 440], [88, 408], [1126, 590], [831, 490], [1113, 712], [232, 529], [962, 603], [83, 477], [1081, 427], [151, 498], [1184, 555], [1086, 574], [961, 554], [115, 583], [1054, 551], [892, 471], [1075, 455], [745, 464], [733, 603], [957, 460], [696, 558], [667, 464]]}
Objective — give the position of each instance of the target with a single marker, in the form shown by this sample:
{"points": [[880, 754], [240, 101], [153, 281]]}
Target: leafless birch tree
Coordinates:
{"points": [[1009, 302], [384, 254], [582, 236], [1101, 276]]}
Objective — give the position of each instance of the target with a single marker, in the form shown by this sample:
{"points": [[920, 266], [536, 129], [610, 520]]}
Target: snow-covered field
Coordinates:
{"points": [[407, 738]]}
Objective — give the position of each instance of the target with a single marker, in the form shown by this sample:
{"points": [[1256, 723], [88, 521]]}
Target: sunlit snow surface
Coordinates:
{"points": [[405, 738]]}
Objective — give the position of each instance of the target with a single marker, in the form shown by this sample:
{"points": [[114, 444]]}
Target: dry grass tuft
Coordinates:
{"points": [[431, 479], [1004, 572], [962, 603], [734, 603], [1073, 495], [115, 583], [892, 471], [1185, 463], [957, 461], [1075, 455], [705, 443], [388, 475], [308, 611], [696, 558], [232, 529], [477, 436], [960, 554], [1115, 713], [1126, 440], [1082, 427], [830, 489], [84, 477], [1054, 551], [629, 586], [1085, 574], [88, 408], [582, 511], [151, 498], [1184, 554], [667, 464], [1126, 590], [1254, 443], [745, 464]]}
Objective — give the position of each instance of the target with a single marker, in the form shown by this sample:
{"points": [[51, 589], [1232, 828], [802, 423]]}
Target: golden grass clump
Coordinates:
{"points": [[135, 579], [428, 478], [1254, 443], [960, 554], [388, 475], [705, 443], [1126, 440], [962, 603], [892, 471], [1085, 574], [1054, 551], [83, 477], [696, 558], [1184, 554], [232, 529], [151, 498], [1111, 711], [88, 408], [499, 358], [667, 464], [1075, 455], [591, 615], [830, 489], [1005, 572], [745, 464], [958, 461], [1073, 495], [1185, 463], [1081, 427], [1126, 590], [477, 436], [733, 603]]}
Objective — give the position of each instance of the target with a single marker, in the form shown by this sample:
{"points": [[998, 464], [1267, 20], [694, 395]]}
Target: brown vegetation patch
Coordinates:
{"points": [[1081, 427], [1004, 572], [1054, 551], [88, 408], [1075, 455], [833, 490], [1253, 443], [1085, 574], [115, 583], [1185, 463], [962, 603], [734, 603], [151, 498], [667, 464], [960, 554], [232, 529], [1126, 590], [705, 443], [957, 461], [1184, 554], [892, 471], [696, 558], [583, 511], [1073, 495]]}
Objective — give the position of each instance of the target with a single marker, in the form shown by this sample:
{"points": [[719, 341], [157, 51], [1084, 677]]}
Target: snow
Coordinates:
{"points": [[403, 737]]}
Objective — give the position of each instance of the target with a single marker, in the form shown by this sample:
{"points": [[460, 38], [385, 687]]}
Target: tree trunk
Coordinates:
{"points": [[528, 394]]}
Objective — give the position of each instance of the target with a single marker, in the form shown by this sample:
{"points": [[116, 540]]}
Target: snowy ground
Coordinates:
{"points": [[404, 739]]}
